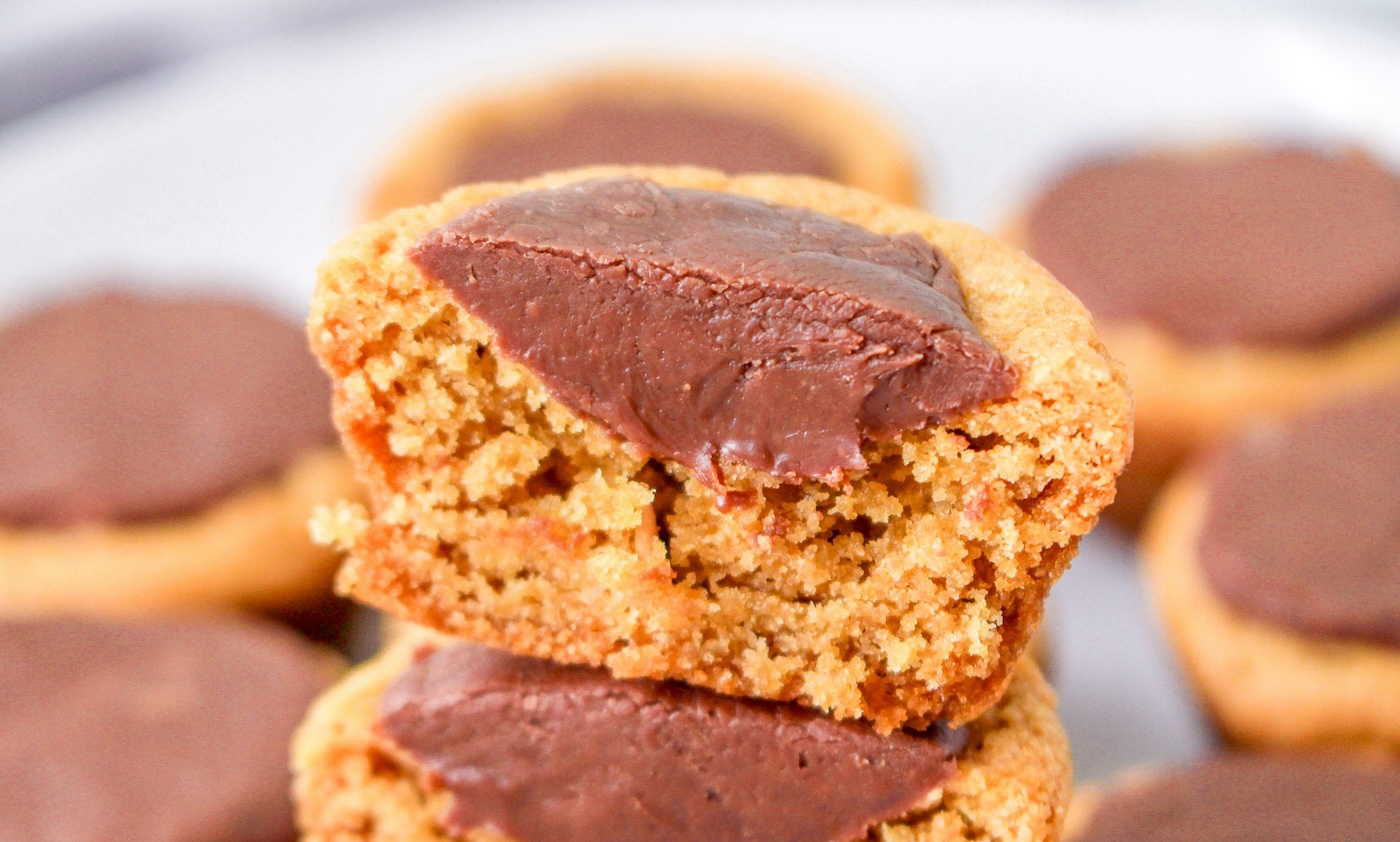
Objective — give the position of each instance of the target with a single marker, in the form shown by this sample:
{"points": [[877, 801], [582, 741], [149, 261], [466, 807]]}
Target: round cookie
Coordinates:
{"points": [[1246, 798], [151, 730], [903, 593], [162, 453], [1271, 567], [1011, 781], [1230, 282], [732, 118]]}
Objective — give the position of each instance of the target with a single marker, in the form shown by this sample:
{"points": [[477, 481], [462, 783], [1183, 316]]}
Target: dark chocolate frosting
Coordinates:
{"points": [[1263, 246], [150, 731], [122, 407], [1303, 524], [703, 325], [542, 752], [636, 131], [1255, 799]]}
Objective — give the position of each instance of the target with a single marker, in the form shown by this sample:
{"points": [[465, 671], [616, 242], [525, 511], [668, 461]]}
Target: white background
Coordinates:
{"points": [[238, 170]]}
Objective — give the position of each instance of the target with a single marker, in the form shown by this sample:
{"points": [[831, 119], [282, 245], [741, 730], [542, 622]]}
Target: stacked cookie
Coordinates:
{"points": [[730, 504]]}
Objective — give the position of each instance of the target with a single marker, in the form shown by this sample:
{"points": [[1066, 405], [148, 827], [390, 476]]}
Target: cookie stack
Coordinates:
{"points": [[729, 506]]}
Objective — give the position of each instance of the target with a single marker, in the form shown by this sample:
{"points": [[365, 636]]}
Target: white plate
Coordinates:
{"points": [[240, 170]]}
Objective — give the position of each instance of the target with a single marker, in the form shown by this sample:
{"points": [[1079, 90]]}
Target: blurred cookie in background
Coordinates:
{"points": [[151, 730], [1276, 565], [162, 453], [1230, 282], [734, 118], [1246, 798], [1041, 650]]}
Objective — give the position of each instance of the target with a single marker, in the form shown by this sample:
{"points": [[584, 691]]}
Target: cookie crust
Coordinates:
{"points": [[1012, 785], [1265, 685], [249, 550], [867, 150], [904, 597]]}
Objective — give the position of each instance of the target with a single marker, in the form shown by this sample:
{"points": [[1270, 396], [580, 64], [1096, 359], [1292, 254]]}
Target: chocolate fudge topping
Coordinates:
{"points": [[703, 325], [541, 752], [119, 407], [150, 731], [1255, 799], [1303, 525], [607, 131], [1264, 246]]}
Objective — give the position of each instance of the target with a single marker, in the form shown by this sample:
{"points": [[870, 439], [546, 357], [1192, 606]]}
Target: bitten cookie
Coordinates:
{"points": [[738, 119], [1275, 566], [162, 453], [754, 434], [1230, 282], [1247, 798], [151, 730], [610, 759]]}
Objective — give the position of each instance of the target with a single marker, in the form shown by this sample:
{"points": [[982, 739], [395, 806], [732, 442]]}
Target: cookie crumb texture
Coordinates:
{"points": [[904, 595], [1012, 784]]}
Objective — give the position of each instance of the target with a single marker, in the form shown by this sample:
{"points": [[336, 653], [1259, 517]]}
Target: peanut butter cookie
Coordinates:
{"points": [[766, 435], [1274, 564], [734, 118], [1232, 282], [1003, 777], [162, 453]]}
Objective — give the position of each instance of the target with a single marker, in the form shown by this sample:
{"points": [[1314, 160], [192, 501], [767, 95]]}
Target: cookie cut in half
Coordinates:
{"points": [[765, 435], [434, 742]]}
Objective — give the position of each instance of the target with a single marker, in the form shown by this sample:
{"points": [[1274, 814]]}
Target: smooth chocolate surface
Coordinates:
{"points": [[1263, 246], [541, 752], [150, 731], [1303, 524], [123, 407], [1255, 799], [637, 131], [704, 326]]}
